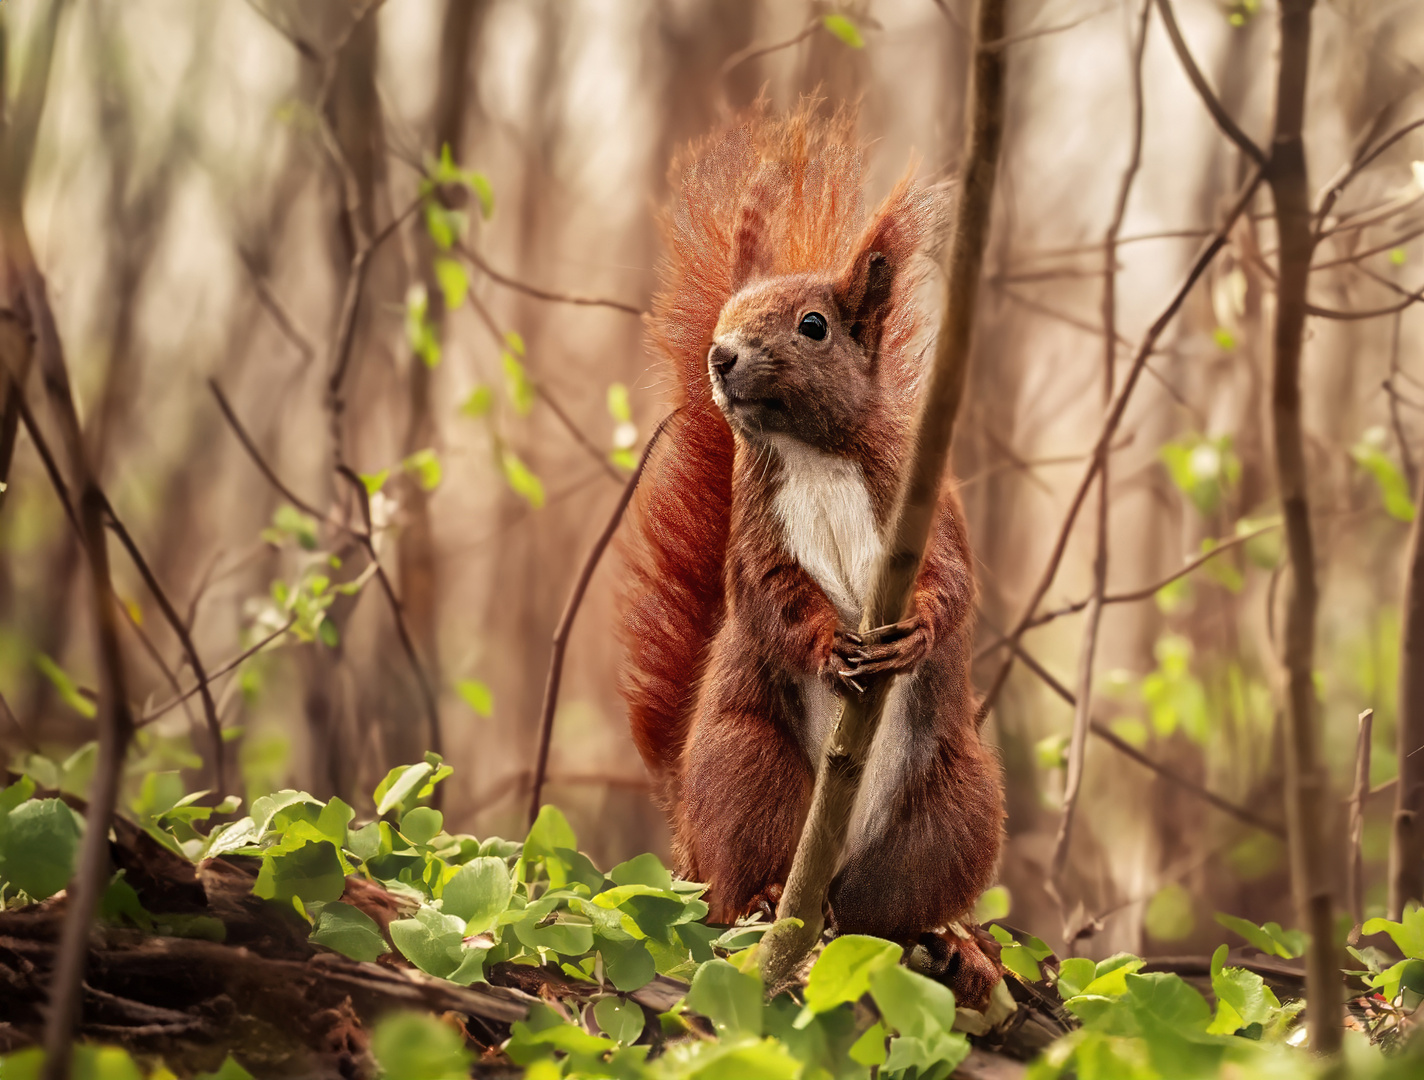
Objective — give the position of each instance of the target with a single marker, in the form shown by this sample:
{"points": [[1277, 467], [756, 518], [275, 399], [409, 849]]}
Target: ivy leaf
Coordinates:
{"points": [[563, 936], [727, 997], [521, 481], [479, 893], [39, 845], [842, 972], [349, 931], [312, 872], [644, 870], [476, 695], [400, 784], [421, 824], [844, 29], [626, 964], [1408, 933], [425, 466], [620, 1020], [431, 940], [1270, 938], [1074, 975]]}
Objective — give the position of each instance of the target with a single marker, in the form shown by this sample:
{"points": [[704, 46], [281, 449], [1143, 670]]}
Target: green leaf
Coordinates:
{"points": [[1397, 256], [626, 964], [842, 972], [327, 633], [563, 936], [120, 901], [454, 284], [478, 404], [479, 893], [869, 1049], [65, 687], [228, 1070], [400, 784], [375, 481], [619, 406], [422, 824], [311, 872], [431, 940], [620, 1020], [644, 870], [1170, 914], [416, 1046], [1407, 934], [484, 191], [727, 997], [1370, 455], [1224, 338], [39, 845], [517, 384], [993, 904], [476, 695], [425, 466], [349, 931], [521, 481], [1074, 975], [844, 29], [912, 1004], [1271, 939], [445, 226], [515, 341], [1020, 961]]}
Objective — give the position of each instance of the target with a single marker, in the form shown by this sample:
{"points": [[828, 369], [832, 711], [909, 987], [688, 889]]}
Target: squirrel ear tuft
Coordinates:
{"points": [[751, 242], [864, 291]]}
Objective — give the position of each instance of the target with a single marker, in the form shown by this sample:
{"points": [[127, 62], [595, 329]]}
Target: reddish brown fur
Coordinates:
{"points": [[724, 628]]}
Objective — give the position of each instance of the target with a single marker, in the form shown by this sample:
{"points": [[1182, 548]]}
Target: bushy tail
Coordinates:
{"points": [[798, 180]]}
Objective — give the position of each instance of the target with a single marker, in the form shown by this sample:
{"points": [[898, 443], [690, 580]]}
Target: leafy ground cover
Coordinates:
{"points": [[292, 942]]}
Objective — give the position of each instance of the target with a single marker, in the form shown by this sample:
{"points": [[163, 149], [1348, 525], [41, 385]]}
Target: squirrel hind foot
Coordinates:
{"points": [[964, 959]]}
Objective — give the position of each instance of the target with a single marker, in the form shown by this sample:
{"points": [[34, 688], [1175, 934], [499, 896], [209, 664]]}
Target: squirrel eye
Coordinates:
{"points": [[813, 326]]}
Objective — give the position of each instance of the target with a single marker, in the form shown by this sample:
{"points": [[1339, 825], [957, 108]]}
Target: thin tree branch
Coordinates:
{"points": [[366, 537], [543, 391], [758, 49], [1110, 425], [571, 609], [1355, 863], [818, 854], [1406, 847], [1044, 31], [280, 315], [1228, 126], [1362, 161], [533, 290], [1356, 316], [1102, 731], [1406, 458], [1082, 718], [217, 673], [1307, 784]]}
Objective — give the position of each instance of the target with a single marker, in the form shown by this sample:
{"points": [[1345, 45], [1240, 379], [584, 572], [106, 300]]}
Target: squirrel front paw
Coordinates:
{"points": [[896, 648], [838, 665]]}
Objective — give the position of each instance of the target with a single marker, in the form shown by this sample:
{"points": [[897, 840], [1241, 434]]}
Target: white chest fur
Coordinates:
{"points": [[824, 508]]}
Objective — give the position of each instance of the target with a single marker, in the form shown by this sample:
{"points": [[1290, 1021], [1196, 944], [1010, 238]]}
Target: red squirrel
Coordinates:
{"points": [[793, 341]]}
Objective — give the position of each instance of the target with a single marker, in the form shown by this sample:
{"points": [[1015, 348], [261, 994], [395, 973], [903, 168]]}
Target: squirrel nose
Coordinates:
{"points": [[721, 359]]}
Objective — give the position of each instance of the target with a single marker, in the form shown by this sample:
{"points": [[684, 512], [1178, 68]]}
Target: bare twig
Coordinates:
{"points": [[1354, 863], [1082, 711], [1375, 313], [1114, 418], [533, 290], [1145, 593], [818, 854], [280, 315], [1406, 458], [1223, 119], [366, 537], [543, 391], [757, 49], [1306, 782], [1102, 731], [1363, 159], [217, 673], [261, 463], [571, 608], [1044, 31], [185, 639]]}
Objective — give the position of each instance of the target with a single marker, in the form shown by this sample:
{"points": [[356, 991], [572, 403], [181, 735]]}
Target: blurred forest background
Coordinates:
{"points": [[413, 239]]}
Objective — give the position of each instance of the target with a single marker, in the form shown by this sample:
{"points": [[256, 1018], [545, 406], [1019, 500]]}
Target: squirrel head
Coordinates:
{"points": [[799, 355]]}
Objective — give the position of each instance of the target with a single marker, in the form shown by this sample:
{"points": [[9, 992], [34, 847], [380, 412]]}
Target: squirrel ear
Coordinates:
{"points": [[751, 246], [863, 293]]}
